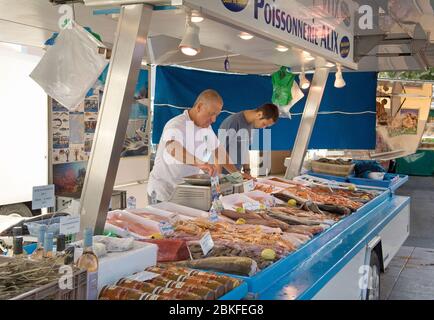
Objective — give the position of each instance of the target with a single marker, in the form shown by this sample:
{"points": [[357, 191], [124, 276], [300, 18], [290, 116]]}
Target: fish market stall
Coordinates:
{"points": [[292, 238]]}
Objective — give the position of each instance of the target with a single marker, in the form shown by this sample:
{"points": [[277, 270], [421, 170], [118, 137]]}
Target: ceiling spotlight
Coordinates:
{"points": [[329, 64], [281, 48], [190, 44], [339, 81], [245, 36], [307, 56], [196, 17], [304, 83]]}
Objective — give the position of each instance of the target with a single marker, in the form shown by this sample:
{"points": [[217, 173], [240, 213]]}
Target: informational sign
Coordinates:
{"points": [[248, 186], [252, 206], [215, 187], [131, 202], [166, 228], [69, 225], [213, 215], [43, 197], [206, 243], [321, 27]]}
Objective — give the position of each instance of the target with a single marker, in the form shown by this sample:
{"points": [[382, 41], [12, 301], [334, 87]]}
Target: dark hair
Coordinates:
{"points": [[269, 111]]}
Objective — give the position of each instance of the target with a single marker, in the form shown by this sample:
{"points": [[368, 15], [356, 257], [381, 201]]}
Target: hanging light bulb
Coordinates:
{"points": [[304, 83], [281, 48], [190, 44], [196, 17], [245, 36], [339, 81]]}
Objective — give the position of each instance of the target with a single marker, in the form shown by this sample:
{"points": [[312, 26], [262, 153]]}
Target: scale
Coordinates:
{"points": [[195, 192]]}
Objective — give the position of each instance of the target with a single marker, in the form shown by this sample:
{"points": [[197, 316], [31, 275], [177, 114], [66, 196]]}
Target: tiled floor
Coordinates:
{"points": [[409, 276]]}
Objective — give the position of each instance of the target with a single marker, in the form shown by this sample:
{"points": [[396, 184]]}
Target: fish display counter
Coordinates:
{"points": [[286, 239]]}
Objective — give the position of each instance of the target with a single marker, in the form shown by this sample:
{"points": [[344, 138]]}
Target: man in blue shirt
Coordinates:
{"points": [[237, 132]]}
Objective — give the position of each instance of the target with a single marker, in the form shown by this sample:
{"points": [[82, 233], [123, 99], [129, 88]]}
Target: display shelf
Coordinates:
{"points": [[266, 279], [312, 273]]}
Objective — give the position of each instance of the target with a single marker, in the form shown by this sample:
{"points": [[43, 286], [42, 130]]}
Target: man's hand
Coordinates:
{"points": [[208, 168], [247, 176]]}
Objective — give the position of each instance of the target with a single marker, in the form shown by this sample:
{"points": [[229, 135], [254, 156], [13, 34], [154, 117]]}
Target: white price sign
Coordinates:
{"points": [[206, 243], [248, 186], [69, 225], [43, 197], [252, 206]]}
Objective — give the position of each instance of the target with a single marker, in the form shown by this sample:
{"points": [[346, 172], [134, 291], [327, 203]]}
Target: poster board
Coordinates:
{"points": [[72, 133]]}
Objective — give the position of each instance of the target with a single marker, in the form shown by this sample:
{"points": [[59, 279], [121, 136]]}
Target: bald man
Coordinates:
{"points": [[188, 146]]}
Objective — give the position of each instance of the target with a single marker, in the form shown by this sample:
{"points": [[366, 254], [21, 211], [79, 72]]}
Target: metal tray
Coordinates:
{"points": [[198, 180]]}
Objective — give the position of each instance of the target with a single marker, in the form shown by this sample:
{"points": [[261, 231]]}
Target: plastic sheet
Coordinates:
{"points": [[70, 68]]}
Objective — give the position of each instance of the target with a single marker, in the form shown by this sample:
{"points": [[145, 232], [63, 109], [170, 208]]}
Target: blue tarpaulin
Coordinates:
{"points": [[346, 117]]}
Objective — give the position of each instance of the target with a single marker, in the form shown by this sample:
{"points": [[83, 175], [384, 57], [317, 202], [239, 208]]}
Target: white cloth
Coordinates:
{"points": [[167, 171]]}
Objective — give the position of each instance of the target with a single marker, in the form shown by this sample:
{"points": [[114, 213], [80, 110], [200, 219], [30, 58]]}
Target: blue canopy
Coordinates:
{"points": [[346, 118]]}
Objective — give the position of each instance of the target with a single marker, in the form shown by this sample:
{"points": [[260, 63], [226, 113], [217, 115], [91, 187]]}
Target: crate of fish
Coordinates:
{"points": [[23, 279], [340, 168]]}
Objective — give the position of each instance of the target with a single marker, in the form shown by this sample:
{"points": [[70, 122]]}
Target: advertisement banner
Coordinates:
{"points": [[321, 27]]}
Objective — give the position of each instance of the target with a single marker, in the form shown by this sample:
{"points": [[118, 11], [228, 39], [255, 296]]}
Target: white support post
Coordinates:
{"points": [[307, 122], [128, 52]]}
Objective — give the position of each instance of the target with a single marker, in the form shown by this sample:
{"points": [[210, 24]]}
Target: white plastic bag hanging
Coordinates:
{"points": [[70, 68], [297, 95]]}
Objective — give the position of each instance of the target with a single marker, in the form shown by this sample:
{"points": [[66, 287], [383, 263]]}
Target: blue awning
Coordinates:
{"points": [[346, 117]]}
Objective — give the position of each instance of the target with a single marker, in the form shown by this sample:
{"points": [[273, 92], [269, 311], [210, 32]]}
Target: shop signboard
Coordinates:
{"points": [[324, 28]]}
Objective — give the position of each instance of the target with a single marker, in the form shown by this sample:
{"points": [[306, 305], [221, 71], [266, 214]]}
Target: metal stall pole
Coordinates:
{"points": [[149, 123], [307, 122], [127, 55]]}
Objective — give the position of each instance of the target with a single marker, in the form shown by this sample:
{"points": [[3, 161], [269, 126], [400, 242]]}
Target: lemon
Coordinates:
{"points": [[352, 187], [240, 221], [240, 210], [268, 254], [157, 236], [292, 202], [365, 197]]}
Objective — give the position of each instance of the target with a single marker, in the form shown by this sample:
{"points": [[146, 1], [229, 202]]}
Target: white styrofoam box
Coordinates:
{"points": [[122, 232], [185, 211], [230, 201], [180, 209], [263, 196], [117, 265], [158, 212]]}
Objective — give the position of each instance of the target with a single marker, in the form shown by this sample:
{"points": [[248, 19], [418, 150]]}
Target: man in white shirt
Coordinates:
{"points": [[188, 145]]}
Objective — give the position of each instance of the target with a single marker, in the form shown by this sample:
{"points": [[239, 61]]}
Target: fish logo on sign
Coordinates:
{"points": [[235, 5]]}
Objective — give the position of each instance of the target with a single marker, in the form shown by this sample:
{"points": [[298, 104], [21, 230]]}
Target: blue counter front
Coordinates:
{"points": [[311, 271], [304, 272]]}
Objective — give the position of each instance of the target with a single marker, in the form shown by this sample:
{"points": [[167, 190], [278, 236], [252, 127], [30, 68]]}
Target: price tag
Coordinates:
{"points": [[213, 215], [206, 243], [270, 202], [166, 228], [69, 225], [131, 202], [43, 197], [248, 186], [252, 206], [215, 187]]}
